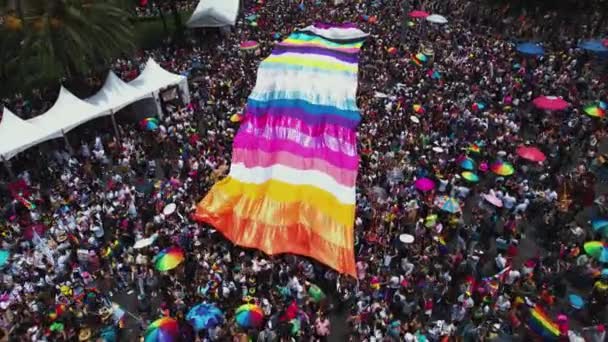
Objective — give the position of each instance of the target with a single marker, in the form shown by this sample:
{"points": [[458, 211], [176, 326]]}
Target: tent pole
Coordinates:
{"points": [[116, 131], [67, 142], [8, 167]]}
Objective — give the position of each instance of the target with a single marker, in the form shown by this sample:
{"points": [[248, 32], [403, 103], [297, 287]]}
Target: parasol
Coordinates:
{"points": [[316, 293], [467, 164], [437, 19], [169, 258], [205, 316], [418, 14], [491, 198], [169, 209], [502, 168], [249, 316], [424, 184], [165, 329], [249, 45], [149, 124], [597, 250], [4, 257], [594, 45], [531, 153], [550, 103], [446, 203], [470, 176], [595, 109], [530, 48], [406, 238]]}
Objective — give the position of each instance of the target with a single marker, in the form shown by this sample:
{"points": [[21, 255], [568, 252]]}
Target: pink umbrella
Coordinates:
{"points": [[550, 103], [424, 184], [491, 197], [531, 153], [418, 14]]}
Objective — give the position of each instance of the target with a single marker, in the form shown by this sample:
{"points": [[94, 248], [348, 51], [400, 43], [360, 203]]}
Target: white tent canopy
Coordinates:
{"points": [[214, 13], [66, 114], [16, 135], [115, 95], [154, 78]]}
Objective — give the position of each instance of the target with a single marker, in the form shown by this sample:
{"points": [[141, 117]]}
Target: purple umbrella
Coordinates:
{"points": [[424, 184]]}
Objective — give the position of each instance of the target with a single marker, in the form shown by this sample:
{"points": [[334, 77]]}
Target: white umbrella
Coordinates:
{"points": [[491, 197], [144, 242], [414, 119], [169, 209], [406, 238], [437, 19]]}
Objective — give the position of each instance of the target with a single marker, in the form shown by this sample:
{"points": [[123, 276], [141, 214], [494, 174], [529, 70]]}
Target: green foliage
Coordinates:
{"points": [[60, 39]]}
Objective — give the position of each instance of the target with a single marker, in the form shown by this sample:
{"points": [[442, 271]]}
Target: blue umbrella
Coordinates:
{"points": [[530, 49], [593, 45], [4, 255], [205, 316], [576, 301]]}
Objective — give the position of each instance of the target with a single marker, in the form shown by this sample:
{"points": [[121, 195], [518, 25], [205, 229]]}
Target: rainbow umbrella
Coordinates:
{"points": [[205, 316], [424, 184], [467, 164], [418, 109], [470, 176], [149, 124], [419, 59], [502, 169], [236, 118], [597, 250], [168, 258], [164, 329], [474, 148], [249, 45], [249, 316], [531, 153], [447, 203], [550, 103], [599, 224], [595, 110], [392, 50]]}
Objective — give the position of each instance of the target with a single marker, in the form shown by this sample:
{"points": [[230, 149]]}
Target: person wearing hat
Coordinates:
{"points": [[84, 335]]}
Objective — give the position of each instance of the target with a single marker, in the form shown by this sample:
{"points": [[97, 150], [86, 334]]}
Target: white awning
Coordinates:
{"points": [[115, 95], [154, 78], [16, 135], [67, 113], [214, 13]]}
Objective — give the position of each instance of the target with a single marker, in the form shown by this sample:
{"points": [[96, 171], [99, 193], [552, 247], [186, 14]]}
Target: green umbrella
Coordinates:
{"points": [[316, 293], [57, 326]]}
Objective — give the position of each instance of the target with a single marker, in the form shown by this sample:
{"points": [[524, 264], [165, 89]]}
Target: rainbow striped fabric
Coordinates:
{"points": [[542, 325], [291, 186]]}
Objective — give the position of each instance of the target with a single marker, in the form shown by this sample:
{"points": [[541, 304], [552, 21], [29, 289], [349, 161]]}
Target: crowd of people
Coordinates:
{"points": [[507, 245]]}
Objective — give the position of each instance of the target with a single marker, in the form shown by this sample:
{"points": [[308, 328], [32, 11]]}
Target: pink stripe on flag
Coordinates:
{"points": [[265, 159], [250, 142]]}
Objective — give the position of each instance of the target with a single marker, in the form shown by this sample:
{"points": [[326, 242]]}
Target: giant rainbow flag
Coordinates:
{"points": [[291, 186]]}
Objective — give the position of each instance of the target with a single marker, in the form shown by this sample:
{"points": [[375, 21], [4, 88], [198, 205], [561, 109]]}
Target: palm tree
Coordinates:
{"points": [[65, 38]]}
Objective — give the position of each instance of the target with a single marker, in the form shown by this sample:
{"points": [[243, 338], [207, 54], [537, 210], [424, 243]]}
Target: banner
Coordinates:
{"points": [[291, 186]]}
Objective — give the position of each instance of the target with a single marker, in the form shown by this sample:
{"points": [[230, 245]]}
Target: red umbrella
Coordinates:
{"points": [[418, 14], [550, 103], [424, 184], [531, 153]]}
